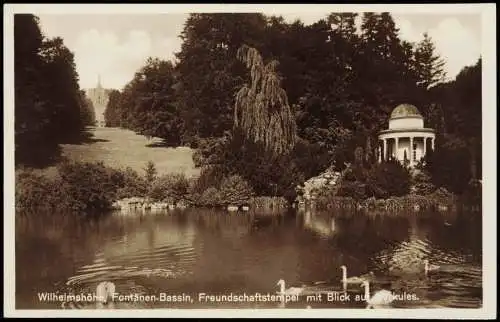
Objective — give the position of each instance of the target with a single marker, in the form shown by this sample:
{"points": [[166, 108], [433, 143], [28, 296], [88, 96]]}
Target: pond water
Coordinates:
{"points": [[186, 253]]}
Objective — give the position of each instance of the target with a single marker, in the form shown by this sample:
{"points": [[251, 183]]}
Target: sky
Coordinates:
{"points": [[115, 46]]}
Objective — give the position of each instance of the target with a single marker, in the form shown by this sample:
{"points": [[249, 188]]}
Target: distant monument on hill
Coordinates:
{"points": [[99, 97]]}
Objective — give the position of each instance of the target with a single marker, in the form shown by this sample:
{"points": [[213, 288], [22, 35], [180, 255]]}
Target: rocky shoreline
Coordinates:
{"points": [[308, 191], [139, 203]]}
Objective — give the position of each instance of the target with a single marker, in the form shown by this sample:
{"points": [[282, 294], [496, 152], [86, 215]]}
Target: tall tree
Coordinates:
{"points": [[61, 90], [384, 77], [148, 103], [87, 112], [262, 111], [428, 65], [31, 112], [49, 107], [113, 112], [209, 71], [460, 148]]}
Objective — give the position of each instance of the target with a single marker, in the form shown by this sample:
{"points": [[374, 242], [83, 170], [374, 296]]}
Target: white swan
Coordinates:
{"points": [[103, 296], [105, 293], [380, 299], [354, 279], [429, 267], [290, 291]]}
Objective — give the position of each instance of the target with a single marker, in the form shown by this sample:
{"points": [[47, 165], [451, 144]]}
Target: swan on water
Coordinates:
{"points": [[104, 292], [316, 288], [103, 296], [429, 267], [381, 298], [289, 291], [354, 279]]}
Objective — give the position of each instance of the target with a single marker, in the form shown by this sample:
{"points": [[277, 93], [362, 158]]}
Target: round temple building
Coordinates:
{"points": [[406, 139]]}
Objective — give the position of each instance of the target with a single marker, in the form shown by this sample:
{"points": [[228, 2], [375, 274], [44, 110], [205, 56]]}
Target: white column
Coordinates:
{"points": [[425, 146], [385, 149], [397, 148], [411, 150], [379, 152], [432, 144]]}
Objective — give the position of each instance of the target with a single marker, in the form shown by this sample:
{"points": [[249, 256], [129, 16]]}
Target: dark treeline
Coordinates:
{"points": [[340, 83], [50, 108]]}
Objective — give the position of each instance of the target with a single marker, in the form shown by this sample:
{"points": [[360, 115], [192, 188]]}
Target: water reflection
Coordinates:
{"points": [[322, 225], [196, 251]]}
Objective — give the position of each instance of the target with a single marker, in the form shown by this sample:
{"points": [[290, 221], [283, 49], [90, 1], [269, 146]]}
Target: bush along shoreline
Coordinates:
{"points": [[95, 188], [386, 186], [84, 187]]}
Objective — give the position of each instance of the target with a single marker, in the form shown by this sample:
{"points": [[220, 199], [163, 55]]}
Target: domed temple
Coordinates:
{"points": [[406, 139]]}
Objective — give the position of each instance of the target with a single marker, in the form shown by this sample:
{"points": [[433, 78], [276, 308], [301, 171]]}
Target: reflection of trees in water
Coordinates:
{"points": [[459, 234], [61, 245], [362, 236], [53, 244], [220, 223], [346, 238], [471, 223], [243, 251], [319, 224]]}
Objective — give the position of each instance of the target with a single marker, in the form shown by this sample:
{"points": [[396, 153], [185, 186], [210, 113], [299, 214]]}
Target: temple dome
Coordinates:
{"points": [[405, 110]]}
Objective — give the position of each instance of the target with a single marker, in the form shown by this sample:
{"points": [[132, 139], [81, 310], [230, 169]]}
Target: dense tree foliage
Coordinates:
{"points": [[457, 117], [339, 81], [261, 111], [209, 72], [49, 105], [335, 86], [87, 112], [147, 104], [429, 66]]}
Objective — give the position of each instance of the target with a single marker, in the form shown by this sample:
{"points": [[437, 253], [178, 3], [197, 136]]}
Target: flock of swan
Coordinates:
{"points": [[382, 298]]}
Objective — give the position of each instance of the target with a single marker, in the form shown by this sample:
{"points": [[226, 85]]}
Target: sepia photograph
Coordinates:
{"points": [[250, 160]]}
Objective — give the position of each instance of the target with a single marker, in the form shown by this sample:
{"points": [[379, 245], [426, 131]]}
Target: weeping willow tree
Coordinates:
{"points": [[261, 110]]}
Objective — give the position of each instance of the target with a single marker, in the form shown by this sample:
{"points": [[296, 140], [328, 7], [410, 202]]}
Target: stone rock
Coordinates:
{"points": [[232, 208], [313, 185], [181, 205]]}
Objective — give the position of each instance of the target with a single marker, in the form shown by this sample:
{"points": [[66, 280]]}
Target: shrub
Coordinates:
{"points": [[349, 175], [211, 197], [388, 179], [210, 176], [325, 196], [422, 184], [354, 189], [79, 186], [336, 202], [150, 171], [310, 159], [90, 186], [267, 175], [449, 167], [170, 186], [131, 184], [442, 195], [268, 203], [235, 190], [208, 150], [34, 191], [473, 193]]}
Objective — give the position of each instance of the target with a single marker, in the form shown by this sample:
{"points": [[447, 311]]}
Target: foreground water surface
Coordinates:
{"points": [[186, 253]]}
